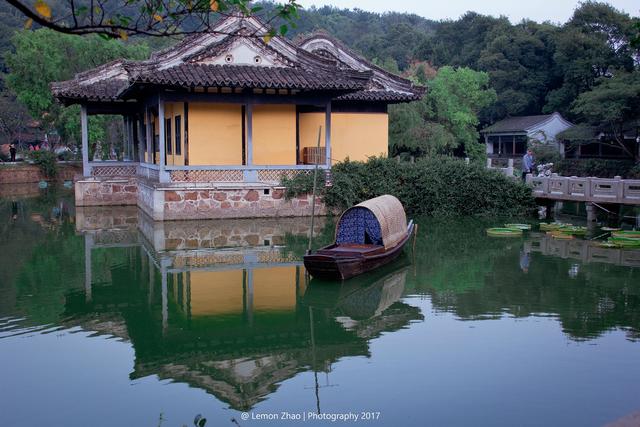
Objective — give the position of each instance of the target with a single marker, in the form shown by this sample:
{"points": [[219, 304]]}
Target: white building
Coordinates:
{"points": [[509, 137]]}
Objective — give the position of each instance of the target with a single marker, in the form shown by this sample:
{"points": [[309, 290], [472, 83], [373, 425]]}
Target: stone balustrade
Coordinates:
{"points": [[586, 189], [508, 171]]}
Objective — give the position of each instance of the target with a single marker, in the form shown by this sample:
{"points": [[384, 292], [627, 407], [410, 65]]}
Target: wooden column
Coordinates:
{"points": [[84, 124], [126, 152], [141, 139], [250, 175], [249, 110], [149, 135], [327, 133], [164, 176], [132, 140]]}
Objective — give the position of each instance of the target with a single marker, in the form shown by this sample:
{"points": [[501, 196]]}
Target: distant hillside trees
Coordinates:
{"points": [[44, 56], [533, 68]]}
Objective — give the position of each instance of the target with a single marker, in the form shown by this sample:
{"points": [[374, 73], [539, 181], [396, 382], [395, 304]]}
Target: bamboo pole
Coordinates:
{"points": [[313, 195]]}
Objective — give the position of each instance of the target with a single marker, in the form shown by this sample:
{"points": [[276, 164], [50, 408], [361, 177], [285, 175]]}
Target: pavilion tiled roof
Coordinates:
{"points": [[247, 76], [316, 63], [382, 96], [516, 124], [104, 90]]}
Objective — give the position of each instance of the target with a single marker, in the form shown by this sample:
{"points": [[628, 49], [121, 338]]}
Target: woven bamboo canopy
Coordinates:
{"points": [[390, 216]]}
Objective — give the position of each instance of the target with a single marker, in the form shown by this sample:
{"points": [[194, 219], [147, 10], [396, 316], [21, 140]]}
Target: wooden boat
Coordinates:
{"points": [[368, 235]]}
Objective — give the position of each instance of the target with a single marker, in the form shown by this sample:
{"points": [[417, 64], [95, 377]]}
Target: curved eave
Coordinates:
{"points": [[387, 97]]}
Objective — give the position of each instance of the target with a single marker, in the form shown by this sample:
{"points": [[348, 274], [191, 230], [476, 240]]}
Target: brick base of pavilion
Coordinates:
{"points": [[194, 201]]}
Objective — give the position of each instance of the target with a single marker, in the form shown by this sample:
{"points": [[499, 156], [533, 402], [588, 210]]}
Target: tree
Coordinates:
{"points": [[518, 59], [446, 119], [13, 117], [590, 46], [44, 56], [123, 18], [612, 106]]}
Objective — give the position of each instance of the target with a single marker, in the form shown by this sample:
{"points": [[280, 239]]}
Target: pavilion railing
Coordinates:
{"points": [[113, 169], [271, 175], [237, 174]]}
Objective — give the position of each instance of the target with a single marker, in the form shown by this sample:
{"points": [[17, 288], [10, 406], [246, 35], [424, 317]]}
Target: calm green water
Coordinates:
{"points": [[109, 319]]}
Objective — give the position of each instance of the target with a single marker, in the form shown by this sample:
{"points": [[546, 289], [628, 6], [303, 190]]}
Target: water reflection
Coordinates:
{"points": [[225, 306], [204, 304], [589, 289]]}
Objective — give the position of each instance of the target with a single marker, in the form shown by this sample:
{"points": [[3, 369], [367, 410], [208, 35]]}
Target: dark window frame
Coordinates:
{"points": [[178, 131], [167, 136]]}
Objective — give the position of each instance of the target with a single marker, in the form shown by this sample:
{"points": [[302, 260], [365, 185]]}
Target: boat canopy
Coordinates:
{"points": [[377, 221]]}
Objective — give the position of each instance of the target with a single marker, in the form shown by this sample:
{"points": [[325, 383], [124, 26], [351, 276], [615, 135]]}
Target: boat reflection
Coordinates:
{"points": [[221, 306]]}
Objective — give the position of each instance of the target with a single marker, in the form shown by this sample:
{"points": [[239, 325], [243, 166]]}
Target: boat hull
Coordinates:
{"points": [[334, 267]]}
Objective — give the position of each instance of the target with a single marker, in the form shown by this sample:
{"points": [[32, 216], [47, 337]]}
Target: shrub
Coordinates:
{"points": [[302, 183], [545, 153], [601, 168], [634, 172], [441, 186], [47, 162]]}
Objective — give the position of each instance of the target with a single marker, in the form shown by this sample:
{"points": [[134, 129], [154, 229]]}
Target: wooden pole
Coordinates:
{"points": [[313, 195]]}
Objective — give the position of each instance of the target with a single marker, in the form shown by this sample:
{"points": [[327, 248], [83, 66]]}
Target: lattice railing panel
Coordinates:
{"points": [[207, 176], [113, 170], [275, 175]]}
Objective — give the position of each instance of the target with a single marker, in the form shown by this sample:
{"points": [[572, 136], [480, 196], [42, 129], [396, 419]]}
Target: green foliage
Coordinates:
{"points": [[545, 153], [302, 183], [613, 105], [44, 56], [440, 186], [446, 120], [47, 161], [593, 44], [518, 59], [601, 168]]}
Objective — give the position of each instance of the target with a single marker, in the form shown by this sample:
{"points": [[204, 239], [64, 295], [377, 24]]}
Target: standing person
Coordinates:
{"points": [[527, 164], [12, 151]]}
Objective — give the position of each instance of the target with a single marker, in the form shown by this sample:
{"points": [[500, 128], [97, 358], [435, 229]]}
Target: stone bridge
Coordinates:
{"points": [[591, 190]]}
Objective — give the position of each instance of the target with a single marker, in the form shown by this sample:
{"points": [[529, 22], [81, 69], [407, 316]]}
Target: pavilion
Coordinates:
{"points": [[214, 122]]}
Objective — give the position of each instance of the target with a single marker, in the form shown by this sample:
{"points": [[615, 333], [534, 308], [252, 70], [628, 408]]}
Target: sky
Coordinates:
{"points": [[557, 11]]}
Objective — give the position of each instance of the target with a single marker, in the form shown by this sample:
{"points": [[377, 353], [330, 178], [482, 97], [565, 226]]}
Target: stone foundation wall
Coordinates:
{"points": [[106, 191], [21, 173], [164, 202], [147, 200], [236, 203]]}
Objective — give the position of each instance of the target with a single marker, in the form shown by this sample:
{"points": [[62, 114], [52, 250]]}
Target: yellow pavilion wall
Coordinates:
{"points": [[274, 134], [215, 134], [357, 136]]}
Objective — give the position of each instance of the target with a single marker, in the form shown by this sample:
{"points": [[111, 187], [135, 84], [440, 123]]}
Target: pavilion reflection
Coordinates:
{"points": [[231, 317]]}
